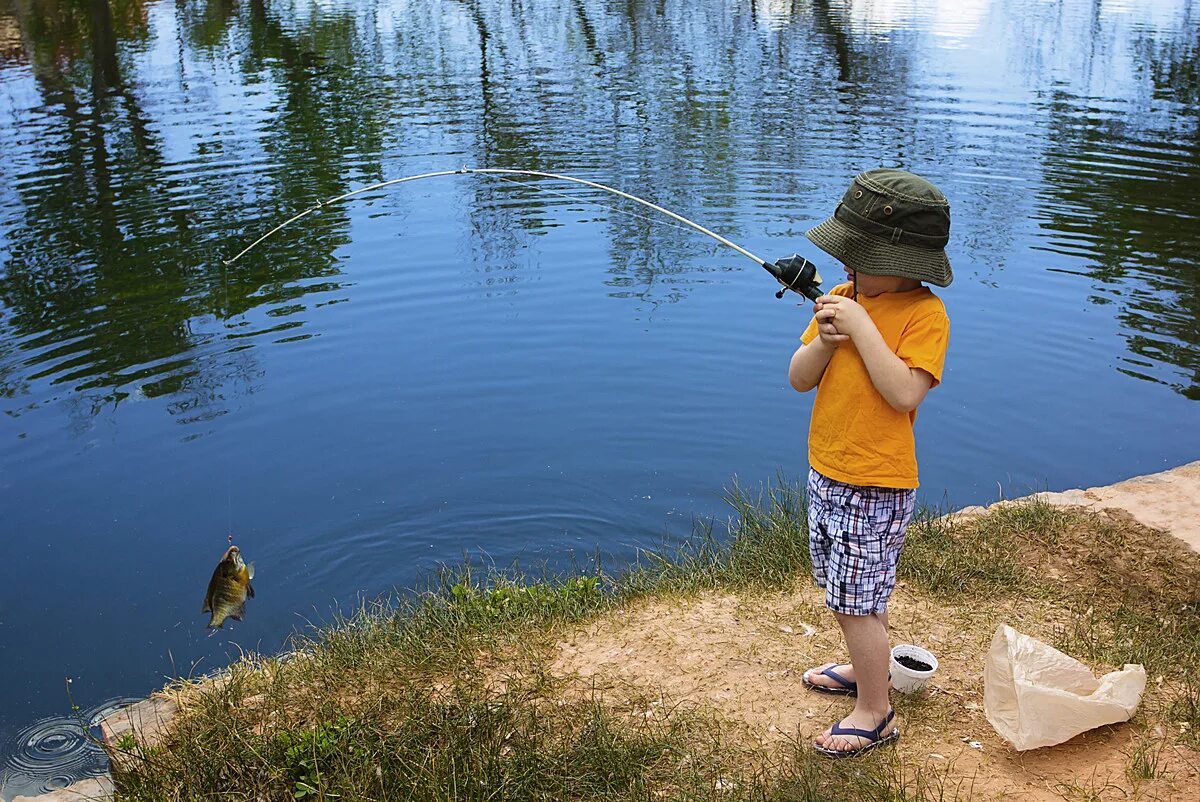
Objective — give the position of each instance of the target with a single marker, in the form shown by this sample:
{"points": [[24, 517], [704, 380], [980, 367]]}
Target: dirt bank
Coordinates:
{"points": [[744, 658]]}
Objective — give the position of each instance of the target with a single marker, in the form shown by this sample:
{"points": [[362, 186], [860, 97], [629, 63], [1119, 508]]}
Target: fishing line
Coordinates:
{"points": [[501, 171], [794, 273], [229, 468], [578, 199]]}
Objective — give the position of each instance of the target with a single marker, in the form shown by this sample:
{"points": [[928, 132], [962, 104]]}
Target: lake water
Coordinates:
{"points": [[465, 366]]}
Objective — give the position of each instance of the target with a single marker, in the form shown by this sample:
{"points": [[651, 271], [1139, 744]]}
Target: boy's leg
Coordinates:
{"points": [[867, 639], [867, 530], [844, 670]]}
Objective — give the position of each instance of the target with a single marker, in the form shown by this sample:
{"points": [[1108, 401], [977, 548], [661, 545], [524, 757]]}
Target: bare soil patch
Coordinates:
{"points": [[742, 656]]}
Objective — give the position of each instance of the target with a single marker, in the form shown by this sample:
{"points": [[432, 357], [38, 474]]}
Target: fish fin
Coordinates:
{"points": [[250, 591], [207, 607], [250, 571], [239, 613]]}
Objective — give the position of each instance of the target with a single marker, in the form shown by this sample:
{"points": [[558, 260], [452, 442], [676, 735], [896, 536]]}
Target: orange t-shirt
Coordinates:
{"points": [[856, 436]]}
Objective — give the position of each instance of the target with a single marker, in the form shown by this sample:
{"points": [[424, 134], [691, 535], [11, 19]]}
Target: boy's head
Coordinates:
{"points": [[890, 223]]}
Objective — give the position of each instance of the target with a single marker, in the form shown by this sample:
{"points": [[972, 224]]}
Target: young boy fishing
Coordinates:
{"points": [[874, 348]]}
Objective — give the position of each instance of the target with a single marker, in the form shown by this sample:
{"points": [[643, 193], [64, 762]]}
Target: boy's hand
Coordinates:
{"points": [[844, 316], [829, 333]]}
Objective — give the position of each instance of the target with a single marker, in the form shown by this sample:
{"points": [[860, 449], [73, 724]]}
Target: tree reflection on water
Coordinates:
{"points": [[1120, 191], [115, 214]]}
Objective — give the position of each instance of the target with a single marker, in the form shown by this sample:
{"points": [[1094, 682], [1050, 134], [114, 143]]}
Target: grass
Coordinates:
{"points": [[462, 742], [465, 741], [446, 694], [457, 743], [950, 559], [1145, 759]]}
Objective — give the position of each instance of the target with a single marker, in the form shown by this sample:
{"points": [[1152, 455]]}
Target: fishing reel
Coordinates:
{"points": [[797, 274]]}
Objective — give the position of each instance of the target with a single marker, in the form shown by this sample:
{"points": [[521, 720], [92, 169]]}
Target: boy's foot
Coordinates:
{"points": [[833, 678], [857, 733]]}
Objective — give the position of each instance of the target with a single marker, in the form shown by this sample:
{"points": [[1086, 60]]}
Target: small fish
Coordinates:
{"points": [[228, 589]]}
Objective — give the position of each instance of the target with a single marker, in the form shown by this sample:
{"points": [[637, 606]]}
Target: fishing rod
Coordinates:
{"points": [[794, 272]]}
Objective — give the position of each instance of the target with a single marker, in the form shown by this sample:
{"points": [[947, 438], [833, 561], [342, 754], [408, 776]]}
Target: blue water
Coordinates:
{"points": [[466, 367]]}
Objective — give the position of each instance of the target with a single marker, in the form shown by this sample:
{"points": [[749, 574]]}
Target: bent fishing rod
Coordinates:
{"points": [[794, 272]]}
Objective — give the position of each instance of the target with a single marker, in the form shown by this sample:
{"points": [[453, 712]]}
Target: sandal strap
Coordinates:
{"points": [[839, 679], [838, 729], [870, 735]]}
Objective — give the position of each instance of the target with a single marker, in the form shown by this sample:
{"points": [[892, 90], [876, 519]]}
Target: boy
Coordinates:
{"points": [[874, 348]]}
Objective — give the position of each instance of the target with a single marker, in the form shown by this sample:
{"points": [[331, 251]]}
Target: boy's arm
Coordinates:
{"points": [[903, 387], [808, 364]]}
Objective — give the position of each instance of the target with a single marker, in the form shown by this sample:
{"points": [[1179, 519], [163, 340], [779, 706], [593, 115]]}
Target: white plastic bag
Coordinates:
{"points": [[1034, 695]]}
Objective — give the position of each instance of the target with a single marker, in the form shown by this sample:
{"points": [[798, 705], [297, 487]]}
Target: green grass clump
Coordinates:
{"points": [[466, 611], [1127, 631], [765, 547], [949, 558], [456, 743], [1145, 760], [1183, 709]]}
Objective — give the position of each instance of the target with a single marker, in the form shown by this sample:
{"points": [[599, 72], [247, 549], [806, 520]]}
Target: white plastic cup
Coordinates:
{"points": [[905, 679]]}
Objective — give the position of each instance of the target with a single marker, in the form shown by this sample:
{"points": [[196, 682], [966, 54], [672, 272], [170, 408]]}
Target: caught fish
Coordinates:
{"points": [[229, 588]]}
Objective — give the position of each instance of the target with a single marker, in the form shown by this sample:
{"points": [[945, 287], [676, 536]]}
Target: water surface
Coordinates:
{"points": [[464, 366]]}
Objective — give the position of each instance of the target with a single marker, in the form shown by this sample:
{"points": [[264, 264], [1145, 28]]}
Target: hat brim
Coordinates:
{"points": [[879, 257]]}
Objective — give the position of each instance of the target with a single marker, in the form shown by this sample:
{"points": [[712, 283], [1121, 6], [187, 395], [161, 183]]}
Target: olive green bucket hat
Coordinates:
{"points": [[890, 223]]}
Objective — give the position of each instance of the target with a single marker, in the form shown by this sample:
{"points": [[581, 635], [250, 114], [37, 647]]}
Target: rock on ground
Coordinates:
{"points": [[99, 788], [1169, 500]]}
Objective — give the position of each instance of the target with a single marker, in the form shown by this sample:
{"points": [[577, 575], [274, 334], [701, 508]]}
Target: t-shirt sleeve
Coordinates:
{"points": [[810, 333], [923, 344]]}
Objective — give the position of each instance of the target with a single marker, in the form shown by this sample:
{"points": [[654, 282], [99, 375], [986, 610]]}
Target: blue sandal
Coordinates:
{"points": [[874, 738], [847, 688]]}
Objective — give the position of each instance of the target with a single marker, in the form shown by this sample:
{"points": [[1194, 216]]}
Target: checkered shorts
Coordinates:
{"points": [[855, 535]]}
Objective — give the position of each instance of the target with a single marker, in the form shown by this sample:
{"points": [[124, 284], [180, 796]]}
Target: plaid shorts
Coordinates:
{"points": [[855, 535]]}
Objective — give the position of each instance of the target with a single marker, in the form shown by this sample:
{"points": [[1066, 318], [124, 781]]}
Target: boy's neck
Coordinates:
{"points": [[878, 285]]}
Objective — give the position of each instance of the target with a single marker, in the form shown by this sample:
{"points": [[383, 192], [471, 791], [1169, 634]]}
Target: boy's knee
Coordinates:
{"points": [[849, 616], [881, 615]]}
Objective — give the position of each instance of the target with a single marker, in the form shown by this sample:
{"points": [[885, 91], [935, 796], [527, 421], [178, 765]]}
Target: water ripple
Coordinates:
{"points": [[56, 752]]}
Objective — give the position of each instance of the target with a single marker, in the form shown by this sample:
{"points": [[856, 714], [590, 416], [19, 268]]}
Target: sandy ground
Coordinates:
{"points": [[743, 659]]}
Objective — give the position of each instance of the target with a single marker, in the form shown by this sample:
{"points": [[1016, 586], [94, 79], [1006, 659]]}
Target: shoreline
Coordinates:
{"points": [[1168, 501]]}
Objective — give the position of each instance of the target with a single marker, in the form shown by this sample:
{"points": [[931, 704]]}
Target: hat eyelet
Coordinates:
{"points": [[857, 194], [887, 209]]}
